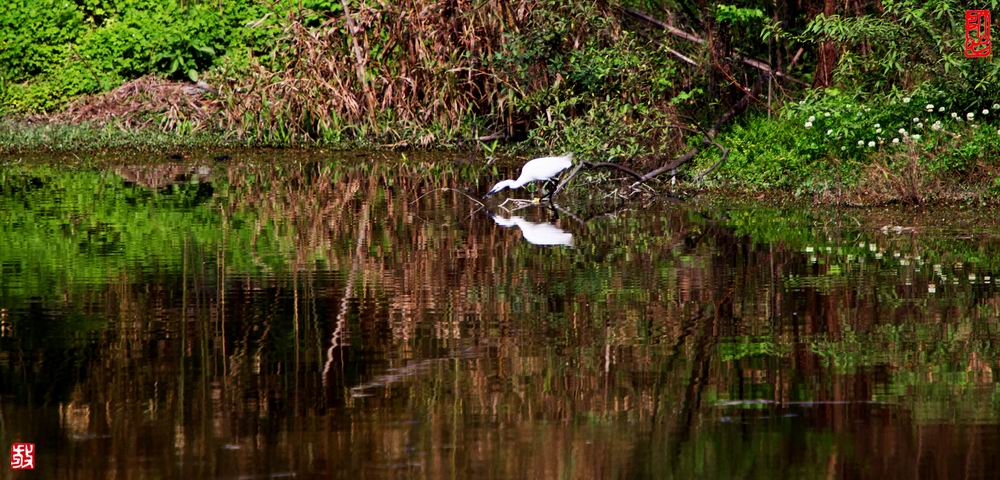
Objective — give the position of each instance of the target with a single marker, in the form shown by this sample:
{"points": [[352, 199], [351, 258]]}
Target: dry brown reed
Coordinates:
{"points": [[409, 73], [420, 66], [145, 102], [900, 178]]}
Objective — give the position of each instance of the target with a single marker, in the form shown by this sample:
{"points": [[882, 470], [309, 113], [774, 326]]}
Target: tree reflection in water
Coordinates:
{"points": [[304, 317]]}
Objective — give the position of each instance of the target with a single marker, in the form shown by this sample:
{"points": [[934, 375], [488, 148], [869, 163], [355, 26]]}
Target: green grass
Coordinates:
{"points": [[23, 137]]}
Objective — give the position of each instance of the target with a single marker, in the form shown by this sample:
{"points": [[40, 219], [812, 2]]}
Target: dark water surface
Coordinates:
{"points": [[310, 317]]}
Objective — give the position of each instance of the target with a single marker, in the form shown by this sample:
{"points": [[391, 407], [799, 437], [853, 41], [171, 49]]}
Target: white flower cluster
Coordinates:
{"points": [[903, 136]]}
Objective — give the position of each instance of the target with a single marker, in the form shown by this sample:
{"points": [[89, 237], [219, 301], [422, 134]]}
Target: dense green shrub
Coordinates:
{"points": [[51, 90], [766, 153], [606, 130], [587, 85], [911, 44], [34, 34], [97, 12], [171, 40], [72, 51], [903, 86], [966, 147], [823, 139]]}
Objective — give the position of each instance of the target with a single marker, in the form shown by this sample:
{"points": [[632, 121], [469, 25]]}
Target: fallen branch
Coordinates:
{"points": [[576, 169], [691, 37], [663, 25], [681, 160], [490, 137], [613, 165], [708, 138], [682, 57]]}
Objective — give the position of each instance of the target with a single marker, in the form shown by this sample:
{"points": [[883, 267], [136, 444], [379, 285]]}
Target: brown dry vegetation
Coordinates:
{"points": [[900, 178], [419, 72], [429, 67], [906, 178], [144, 103], [397, 68]]}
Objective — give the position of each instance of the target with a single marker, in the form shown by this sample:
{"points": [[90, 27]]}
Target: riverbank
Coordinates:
{"points": [[84, 147], [900, 177], [25, 138], [605, 81]]}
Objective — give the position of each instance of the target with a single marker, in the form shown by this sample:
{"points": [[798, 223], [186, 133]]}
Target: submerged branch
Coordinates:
{"points": [[565, 181], [722, 159], [446, 189]]}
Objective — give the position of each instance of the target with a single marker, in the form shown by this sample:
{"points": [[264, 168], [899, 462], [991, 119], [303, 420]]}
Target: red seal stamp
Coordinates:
{"points": [[22, 456], [977, 33]]}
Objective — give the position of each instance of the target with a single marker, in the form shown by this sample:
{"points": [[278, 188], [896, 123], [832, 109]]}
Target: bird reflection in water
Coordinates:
{"points": [[536, 233]]}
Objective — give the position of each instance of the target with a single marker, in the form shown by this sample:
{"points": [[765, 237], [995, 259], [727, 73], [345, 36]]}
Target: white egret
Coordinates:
{"points": [[537, 233], [539, 169]]}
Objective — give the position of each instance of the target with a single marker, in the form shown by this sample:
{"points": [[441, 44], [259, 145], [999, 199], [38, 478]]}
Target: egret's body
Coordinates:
{"points": [[537, 233], [539, 169]]}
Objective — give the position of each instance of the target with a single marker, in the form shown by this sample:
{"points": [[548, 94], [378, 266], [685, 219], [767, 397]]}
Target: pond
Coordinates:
{"points": [[317, 315]]}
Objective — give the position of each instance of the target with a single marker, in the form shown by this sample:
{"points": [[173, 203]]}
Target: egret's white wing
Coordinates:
{"points": [[545, 168]]}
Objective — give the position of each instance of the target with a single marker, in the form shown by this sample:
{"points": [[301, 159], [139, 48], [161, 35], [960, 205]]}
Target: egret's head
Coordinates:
{"points": [[500, 186]]}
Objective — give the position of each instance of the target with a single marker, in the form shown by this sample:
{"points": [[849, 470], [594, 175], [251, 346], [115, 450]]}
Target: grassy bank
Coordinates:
{"points": [[23, 137], [854, 103]]}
